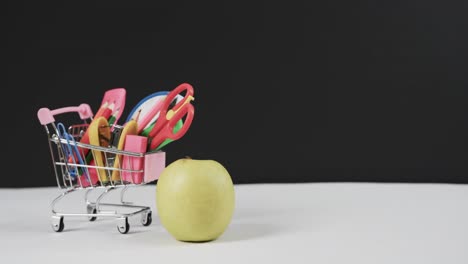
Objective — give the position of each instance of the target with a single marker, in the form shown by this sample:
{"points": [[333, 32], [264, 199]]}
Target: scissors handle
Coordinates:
{"points": [[167, 132], [165, 114]]}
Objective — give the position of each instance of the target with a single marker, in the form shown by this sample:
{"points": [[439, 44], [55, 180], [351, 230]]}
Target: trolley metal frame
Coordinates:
{"points": [[69, 182]]}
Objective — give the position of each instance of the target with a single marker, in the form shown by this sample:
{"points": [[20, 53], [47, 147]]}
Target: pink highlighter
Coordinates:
{"points": [[134, 143]]}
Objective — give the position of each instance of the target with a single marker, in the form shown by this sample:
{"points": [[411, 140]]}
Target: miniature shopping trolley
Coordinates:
{"points": [[91, 168]]}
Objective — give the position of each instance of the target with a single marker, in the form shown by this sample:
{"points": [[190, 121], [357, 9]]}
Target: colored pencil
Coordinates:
{"points": [[113, 118]]}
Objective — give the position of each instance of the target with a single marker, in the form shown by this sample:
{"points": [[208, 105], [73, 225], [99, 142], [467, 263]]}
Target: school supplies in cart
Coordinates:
{"points": [[134, 143], [70, 151], [129, 128], [146, 112], [113, 100], [169, 117], [99, 135], [114, 158]]}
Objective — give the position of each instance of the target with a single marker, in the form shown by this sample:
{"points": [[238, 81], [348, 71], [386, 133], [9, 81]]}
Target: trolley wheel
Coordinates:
{"points": [[146, 219], [57, 223], [123, 225], [93, 218]]}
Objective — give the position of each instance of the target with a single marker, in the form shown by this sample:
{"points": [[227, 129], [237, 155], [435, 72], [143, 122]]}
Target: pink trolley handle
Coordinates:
{"points": [[46, 116]]}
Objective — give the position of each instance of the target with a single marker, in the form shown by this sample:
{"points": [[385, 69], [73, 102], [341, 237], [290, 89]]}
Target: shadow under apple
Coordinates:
{"points": [[246, 231]]}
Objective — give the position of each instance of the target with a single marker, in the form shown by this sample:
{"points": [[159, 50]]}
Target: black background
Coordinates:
{"points": [[285, 91]]}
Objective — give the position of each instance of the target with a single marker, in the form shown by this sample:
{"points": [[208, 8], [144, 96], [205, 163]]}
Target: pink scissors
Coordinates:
{"points": [[164, 127]]}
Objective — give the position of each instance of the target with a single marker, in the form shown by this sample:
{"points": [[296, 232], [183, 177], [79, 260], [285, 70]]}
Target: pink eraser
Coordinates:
{"points": [[154, 164], [138, 144]]}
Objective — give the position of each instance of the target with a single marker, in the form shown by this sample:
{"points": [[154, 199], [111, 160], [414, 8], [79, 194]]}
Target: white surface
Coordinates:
{"points": [[273, 223]]}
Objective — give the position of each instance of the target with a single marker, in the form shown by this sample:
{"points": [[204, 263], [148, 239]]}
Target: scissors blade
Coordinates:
{"points": [[167, 131], [161, 120]]}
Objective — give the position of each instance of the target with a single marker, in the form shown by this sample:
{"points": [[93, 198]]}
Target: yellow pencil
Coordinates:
{"points": [[138, 115]]}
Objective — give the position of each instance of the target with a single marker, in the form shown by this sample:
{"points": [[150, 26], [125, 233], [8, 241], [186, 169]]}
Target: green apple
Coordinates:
{"points": [[195, 199]]}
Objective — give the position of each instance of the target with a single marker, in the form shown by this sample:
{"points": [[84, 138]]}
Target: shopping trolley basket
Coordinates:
{"points": [[76, 168]]}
